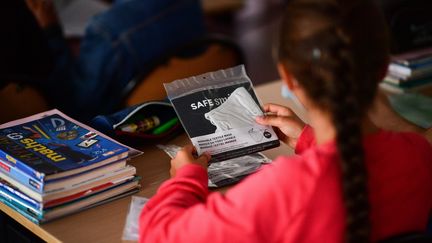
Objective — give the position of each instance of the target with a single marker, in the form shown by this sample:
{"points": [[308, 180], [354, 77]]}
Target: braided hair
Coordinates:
{"points": [[337, 51]]}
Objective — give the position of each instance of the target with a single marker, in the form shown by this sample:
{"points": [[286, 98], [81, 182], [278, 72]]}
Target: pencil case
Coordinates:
{"points": [[162, 113]]}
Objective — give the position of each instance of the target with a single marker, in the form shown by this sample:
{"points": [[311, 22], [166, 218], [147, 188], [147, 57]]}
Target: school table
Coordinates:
{"points": [[105, 223]]}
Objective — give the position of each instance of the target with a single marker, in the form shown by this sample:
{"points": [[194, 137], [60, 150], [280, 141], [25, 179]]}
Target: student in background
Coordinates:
{"points": [[349, 182], [117, 45]]}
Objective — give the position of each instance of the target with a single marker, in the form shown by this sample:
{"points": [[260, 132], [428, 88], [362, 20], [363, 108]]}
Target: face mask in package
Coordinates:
{"points": [[218, 111], [229, 171]]}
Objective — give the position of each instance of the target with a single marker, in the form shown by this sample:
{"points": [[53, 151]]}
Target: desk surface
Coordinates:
{"points": [[105, 223]]}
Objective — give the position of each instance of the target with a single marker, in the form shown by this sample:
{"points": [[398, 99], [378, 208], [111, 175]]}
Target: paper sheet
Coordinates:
{"points": [[74, 15], [131, 230]]}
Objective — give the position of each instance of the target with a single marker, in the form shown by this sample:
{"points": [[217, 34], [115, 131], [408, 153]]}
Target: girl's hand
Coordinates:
{"points": [[186, 156], [285, 122]]}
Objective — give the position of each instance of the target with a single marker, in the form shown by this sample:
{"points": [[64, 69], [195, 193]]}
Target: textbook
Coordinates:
{"points": [[406, 72], [51, 146], [85, 202], [75, 188], [57, 184]]}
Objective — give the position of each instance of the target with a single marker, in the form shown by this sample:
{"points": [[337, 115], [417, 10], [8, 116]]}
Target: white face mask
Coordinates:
{"points": [[287, 94]]}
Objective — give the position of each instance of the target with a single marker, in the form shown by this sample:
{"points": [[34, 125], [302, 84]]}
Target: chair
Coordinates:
{"points": [[200, 56]]}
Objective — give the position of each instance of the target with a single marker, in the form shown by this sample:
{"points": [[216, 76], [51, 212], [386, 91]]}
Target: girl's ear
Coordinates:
{"points": [[286, 76]]}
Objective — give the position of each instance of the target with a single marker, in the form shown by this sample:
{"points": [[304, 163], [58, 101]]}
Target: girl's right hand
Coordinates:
{"points": [[287, 125]]}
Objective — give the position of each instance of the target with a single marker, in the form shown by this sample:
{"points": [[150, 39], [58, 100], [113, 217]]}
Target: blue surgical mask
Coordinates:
{"points": [[287, 94]]}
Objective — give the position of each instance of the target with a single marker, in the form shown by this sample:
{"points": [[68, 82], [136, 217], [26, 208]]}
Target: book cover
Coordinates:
{"points": [[413, 57], [4, 197], [56, 202], [404, 72], [72, 189], [398, 89], [26, 214], [98, 199], [72, 192], [10, 193], [18, 201], [11, 190], [21, 177], [51, 145], [104, 197], [52, 185]]}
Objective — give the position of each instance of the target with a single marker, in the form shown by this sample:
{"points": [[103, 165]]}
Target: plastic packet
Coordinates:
{"points": [[131, 230], [218, 111], [229, 171]]}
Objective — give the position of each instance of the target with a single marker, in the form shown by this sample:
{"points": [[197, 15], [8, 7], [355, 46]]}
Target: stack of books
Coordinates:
{"points": [[409, 72], [52, 166]]}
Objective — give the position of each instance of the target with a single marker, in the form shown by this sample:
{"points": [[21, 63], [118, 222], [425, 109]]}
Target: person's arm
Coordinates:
{"points": [[383, 116], [76, 84], [306, 140], [183, 211]]}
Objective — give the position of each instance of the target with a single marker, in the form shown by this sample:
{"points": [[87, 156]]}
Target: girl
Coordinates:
{"points": [[350, 181]]}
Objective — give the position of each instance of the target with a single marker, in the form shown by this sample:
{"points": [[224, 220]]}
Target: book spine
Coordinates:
{"points": [[400, 70], [391, 88], [416, 62], [393, 80], [22, 205], [20, 211], [13, 162], [21, 177], [5, 188]]}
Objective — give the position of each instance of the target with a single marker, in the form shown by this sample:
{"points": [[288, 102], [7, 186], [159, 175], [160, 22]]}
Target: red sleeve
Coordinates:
{"points": [[306, 140], [181, 212]]}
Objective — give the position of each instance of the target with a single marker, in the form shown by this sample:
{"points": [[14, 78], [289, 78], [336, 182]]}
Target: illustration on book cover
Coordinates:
{"points": [[53, 144]]}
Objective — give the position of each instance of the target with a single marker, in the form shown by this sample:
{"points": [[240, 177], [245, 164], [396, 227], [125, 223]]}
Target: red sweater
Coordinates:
{"points": [[297, 198]]}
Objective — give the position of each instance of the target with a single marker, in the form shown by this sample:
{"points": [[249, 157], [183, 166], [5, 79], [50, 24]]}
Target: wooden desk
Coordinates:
{"points": [[105, 223]]}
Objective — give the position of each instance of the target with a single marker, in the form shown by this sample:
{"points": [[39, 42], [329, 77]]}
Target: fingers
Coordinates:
{"points": [[275, 121], [203, 159], [278, 109], [185, 157], [188, 152], [189, 149]]}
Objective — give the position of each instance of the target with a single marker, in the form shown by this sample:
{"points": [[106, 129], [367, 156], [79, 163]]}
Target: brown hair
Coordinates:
{"points": [[338, 51]]}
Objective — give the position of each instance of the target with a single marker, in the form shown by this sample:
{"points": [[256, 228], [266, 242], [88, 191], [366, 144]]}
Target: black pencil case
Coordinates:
{"points": [[110, 124]]}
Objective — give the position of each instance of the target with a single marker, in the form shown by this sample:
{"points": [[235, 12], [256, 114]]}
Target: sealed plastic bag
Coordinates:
{"points": [[229, 171], [131, 228], [218, 111]]}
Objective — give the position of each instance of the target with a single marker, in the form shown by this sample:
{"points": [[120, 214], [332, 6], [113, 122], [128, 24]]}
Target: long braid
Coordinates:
{"points": [[329, 61], [338, 91], [347, 118]]}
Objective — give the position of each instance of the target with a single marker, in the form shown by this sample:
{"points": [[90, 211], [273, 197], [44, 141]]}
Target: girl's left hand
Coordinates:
{"points": [[287, 125], [185, 157]]}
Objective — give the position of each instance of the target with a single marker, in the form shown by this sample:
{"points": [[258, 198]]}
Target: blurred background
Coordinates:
{"points": [[250, 23]]}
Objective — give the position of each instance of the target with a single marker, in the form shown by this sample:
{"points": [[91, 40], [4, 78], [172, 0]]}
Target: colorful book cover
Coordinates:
{"points": [[24, 213], [24, 207], [20, 176], [91, 191], [12, 191], [51, 145]]}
